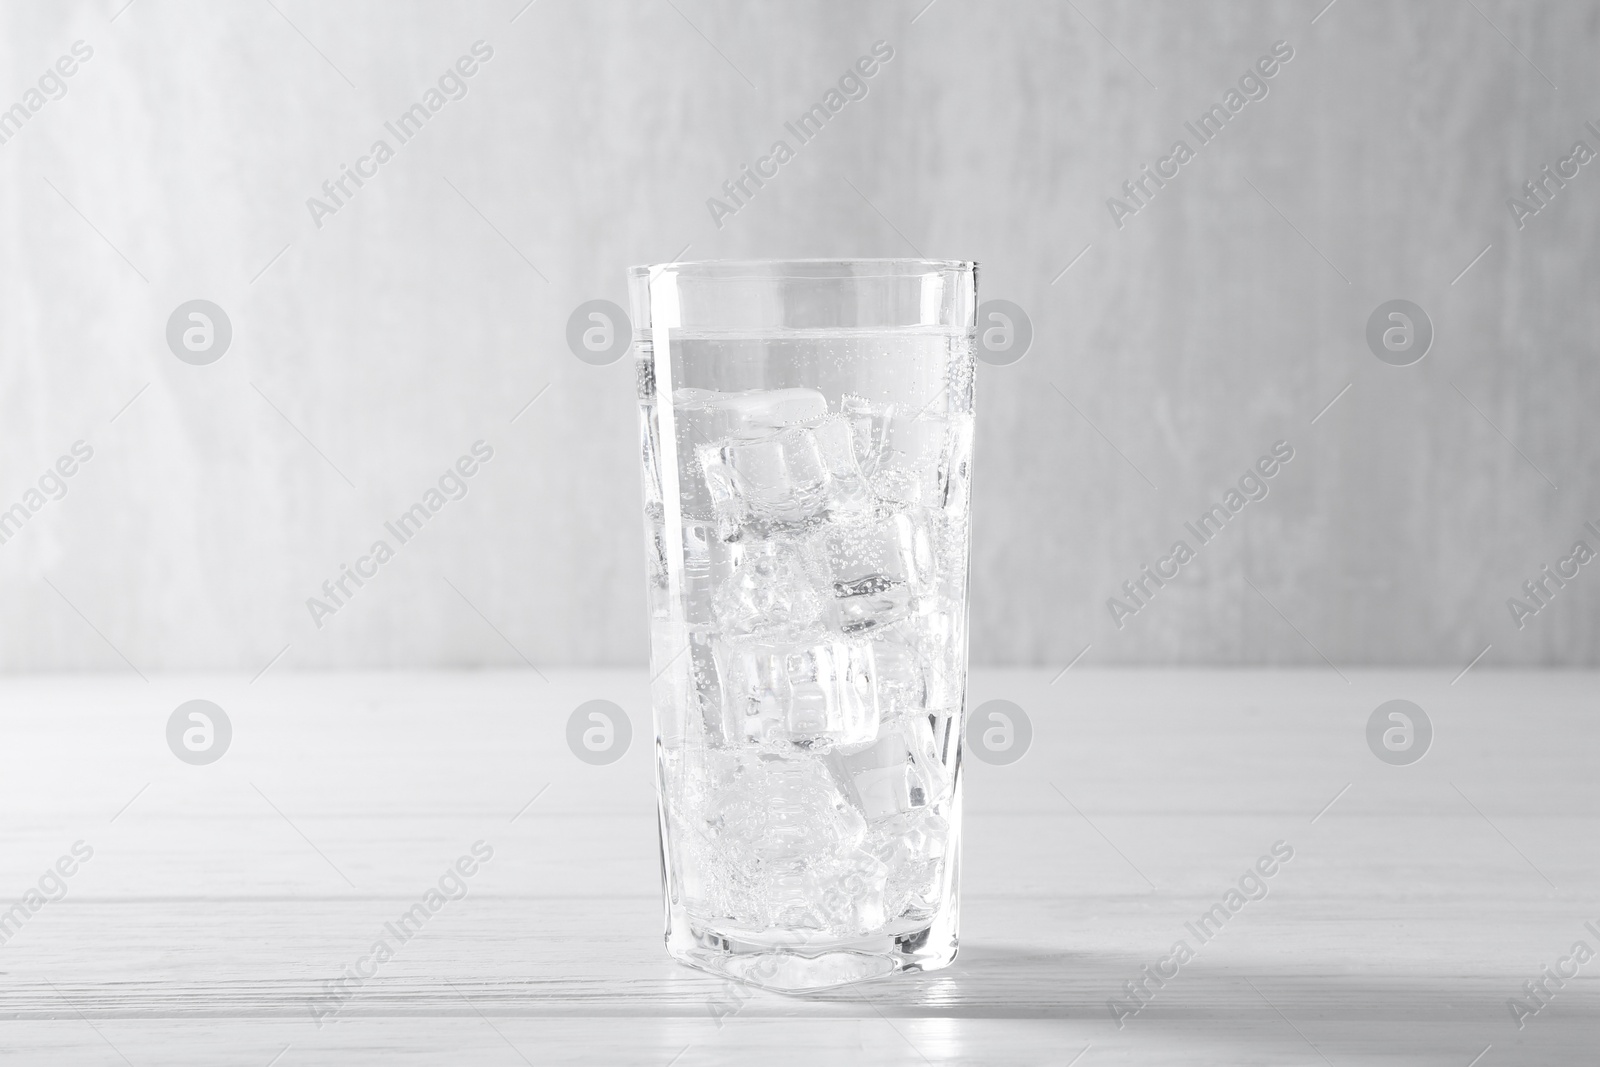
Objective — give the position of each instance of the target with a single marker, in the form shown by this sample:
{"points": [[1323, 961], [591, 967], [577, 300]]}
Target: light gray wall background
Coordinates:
{"points": [[373, 351]]}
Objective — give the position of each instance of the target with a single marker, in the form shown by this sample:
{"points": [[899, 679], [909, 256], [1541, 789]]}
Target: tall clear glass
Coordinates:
{"points": [[807, 445]]}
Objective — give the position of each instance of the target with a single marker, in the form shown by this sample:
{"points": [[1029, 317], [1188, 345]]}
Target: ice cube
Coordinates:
{"points": [[809, 693], [901, 674], [850, 498], [911, 847], [779, 480], [922, 739], [704, 417], [759, 412], [869, 425], [709, 563], [910, 468], [790, 480], [716, 416], [848, 894], [772, 592], [877, 569], [775, 812], [896, 774]]}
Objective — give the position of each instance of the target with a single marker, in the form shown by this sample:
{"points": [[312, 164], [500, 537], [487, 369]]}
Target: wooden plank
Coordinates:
{"points": [[216, 906]]}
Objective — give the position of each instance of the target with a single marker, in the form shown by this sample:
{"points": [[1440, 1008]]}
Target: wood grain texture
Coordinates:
{"points": [[216, 906], [431, 308]]}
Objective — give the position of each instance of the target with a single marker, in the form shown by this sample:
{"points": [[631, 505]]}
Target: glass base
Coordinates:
{"points": [[795, 962]]}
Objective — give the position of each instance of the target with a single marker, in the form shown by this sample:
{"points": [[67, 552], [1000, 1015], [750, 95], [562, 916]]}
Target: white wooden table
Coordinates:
{"points": [[220, 899]]}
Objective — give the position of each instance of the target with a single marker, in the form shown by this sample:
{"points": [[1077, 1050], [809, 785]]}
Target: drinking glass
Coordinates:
{"points": [[806, 436]]}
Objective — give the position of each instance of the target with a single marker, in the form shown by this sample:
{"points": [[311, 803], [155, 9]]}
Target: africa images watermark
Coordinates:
{"points": [[452, 885], [52, 885], [1542, 589], [1252, 86], [852, 86], [1543, 187], [1253, 486], [452, 486], [452, 86], [1537, 990], [735, 995], [1252, 886], [52, 486], [52, 86]]}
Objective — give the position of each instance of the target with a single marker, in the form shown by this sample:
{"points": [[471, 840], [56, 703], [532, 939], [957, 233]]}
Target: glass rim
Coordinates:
{"points": [[767, 269]]}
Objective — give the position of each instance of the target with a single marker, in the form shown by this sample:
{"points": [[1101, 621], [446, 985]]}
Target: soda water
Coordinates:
{"points": [[807, 512]]}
